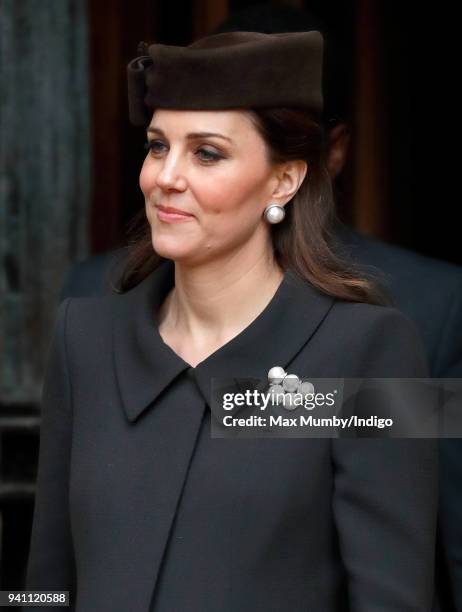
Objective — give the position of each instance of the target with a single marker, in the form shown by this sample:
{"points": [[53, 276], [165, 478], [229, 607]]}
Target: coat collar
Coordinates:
{"points": [[145, 366]]}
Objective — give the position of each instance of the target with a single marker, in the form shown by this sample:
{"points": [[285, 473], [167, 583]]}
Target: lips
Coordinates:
{"points": [[169, 214], [172, 210]]}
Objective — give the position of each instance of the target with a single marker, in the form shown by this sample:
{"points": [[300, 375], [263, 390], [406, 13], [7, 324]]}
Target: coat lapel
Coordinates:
{"points": [[145, 366]]}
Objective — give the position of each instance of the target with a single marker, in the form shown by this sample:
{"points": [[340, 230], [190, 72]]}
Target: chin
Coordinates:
{"points": [[172, 249]]}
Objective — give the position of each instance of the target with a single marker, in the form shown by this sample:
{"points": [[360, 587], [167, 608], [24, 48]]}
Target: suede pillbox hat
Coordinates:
{"points": [[228, 70]]}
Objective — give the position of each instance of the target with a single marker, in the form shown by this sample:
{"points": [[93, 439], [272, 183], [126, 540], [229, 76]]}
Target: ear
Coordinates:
{"points": [[339, 140], [288, 178]]}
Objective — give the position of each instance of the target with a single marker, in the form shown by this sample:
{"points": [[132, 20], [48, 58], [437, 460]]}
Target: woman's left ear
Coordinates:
{"points": [[290, 176]]}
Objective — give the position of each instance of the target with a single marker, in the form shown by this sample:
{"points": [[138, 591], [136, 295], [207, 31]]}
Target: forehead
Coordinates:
{"points": [[230, 123]]}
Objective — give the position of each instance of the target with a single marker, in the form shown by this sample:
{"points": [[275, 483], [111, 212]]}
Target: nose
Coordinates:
{"points": [[171, 174]]}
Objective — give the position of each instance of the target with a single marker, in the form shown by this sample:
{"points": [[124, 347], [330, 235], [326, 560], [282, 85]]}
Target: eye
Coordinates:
{"points": [[205, 155], [151, 145], [209, 155]]}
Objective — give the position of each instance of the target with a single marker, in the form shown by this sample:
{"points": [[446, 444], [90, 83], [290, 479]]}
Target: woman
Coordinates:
{"points": [[138, 507]]}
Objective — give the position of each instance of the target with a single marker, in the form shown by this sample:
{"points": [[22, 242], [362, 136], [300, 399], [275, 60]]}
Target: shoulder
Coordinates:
{"points": [[346, 336], [89, 312], [379, 340], [372, 321], [86, 324], [370, 316], [92, 317], [93, 276]]}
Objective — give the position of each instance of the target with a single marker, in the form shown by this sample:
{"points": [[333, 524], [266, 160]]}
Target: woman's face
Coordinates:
{"points": [[213, 166]]}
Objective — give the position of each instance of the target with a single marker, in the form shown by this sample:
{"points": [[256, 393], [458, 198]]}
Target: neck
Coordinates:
{"points": [[217, 300]]}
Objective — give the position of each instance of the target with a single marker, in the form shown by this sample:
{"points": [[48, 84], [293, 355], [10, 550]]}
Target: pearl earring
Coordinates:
{"points": [[274, 213]]}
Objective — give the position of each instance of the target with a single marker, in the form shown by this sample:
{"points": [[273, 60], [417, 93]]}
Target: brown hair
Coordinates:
{"points": [[304, 242]]}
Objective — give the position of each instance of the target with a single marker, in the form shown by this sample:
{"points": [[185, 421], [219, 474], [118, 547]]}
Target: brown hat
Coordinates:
{"points": [[228, 70]]}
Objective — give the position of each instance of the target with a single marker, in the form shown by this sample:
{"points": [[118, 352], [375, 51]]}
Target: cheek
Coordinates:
{"points": [[147, 177], [233, 209], [236, 193]]}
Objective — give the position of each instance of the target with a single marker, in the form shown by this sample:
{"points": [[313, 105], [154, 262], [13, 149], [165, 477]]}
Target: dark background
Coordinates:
{"points": [[399, 184]]}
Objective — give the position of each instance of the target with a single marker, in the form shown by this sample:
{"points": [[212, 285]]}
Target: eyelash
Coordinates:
{"points": [[149, 146]]}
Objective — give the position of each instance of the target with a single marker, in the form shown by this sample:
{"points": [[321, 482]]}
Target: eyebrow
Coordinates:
{"points": [[191, 135]]}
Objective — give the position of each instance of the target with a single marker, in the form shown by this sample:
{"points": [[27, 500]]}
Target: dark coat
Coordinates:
{"points": [[139, 508], [429, 292]]}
